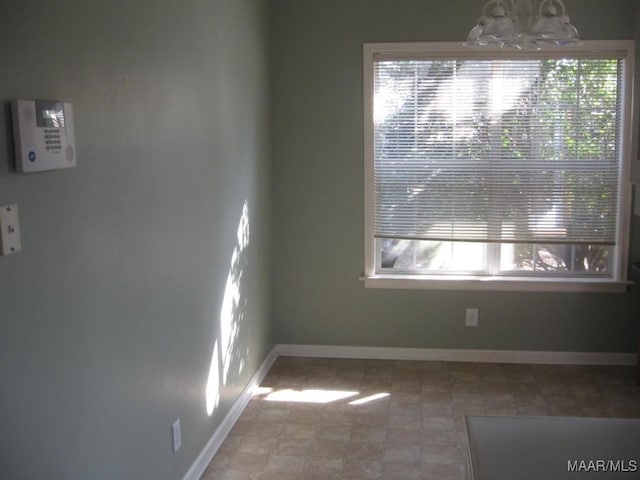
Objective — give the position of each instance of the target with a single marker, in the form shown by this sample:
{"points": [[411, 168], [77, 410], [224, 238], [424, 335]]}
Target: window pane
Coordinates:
{"points": [[542, 259], [427, 256]]}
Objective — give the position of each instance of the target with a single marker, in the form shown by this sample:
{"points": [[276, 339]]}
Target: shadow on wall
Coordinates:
{"points": [[228, 357]]}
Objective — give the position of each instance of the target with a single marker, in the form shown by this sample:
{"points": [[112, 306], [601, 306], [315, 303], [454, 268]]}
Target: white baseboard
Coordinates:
{"points": [[390, 353], [453, 355], [218, 437]]}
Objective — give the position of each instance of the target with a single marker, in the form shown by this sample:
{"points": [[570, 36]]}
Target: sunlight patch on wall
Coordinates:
{"points": [[213, 382], [230, 311], [231, 317]]}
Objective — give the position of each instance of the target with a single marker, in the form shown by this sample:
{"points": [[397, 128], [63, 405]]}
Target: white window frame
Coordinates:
{"points": [[616, 283]]}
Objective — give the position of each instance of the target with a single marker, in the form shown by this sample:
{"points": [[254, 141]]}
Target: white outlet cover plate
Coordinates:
{"points": [[472, 317]]}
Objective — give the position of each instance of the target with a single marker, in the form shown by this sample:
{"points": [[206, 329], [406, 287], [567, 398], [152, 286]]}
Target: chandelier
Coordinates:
{"points": [[512, 24]]}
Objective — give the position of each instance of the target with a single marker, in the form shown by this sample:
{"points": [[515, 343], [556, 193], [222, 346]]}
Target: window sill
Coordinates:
{"points": [[506, 284]]}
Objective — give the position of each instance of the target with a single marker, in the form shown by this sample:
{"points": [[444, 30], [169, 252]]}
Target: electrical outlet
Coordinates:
{"points": [[176, 436], [9, 230], [472, 317]]}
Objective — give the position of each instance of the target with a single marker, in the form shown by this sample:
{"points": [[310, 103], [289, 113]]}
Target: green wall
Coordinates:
{"points": [[110, 314], [318, 173]]}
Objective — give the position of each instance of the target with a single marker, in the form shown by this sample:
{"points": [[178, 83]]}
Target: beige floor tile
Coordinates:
{"points": [[397, 436], [325, 465], [329, 448], [285, 463], [362, 469]]}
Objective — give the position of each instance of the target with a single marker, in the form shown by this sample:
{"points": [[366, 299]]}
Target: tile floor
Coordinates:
{"points": [[307, 421]]}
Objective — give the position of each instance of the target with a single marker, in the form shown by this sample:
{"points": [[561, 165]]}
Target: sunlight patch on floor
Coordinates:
{"points": [[308, 396], [370, 398], [314, 395]]}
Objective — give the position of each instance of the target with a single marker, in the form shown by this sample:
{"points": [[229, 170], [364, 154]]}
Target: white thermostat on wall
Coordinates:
{"points": [[43, 135]]}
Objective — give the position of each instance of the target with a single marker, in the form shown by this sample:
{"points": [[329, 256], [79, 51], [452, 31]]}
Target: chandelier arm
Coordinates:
{"points": [[550, 2], [562, 5], [542, 4], [498, 3]]}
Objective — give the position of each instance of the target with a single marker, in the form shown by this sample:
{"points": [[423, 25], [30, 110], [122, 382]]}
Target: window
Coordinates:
{"points": [[497, 170]]}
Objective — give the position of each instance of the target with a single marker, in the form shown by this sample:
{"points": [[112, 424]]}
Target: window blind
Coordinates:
{"points": [[517, 151]]}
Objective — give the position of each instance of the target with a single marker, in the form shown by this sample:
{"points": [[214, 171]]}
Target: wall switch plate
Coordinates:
{"points": [[176, 436], [472, 317], [9, 230]]}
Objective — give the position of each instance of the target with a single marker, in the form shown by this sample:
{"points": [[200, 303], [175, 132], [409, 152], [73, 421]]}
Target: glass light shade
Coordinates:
{"points": [[473, 39], [549, 25], [499, 28], [573, 38]]}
